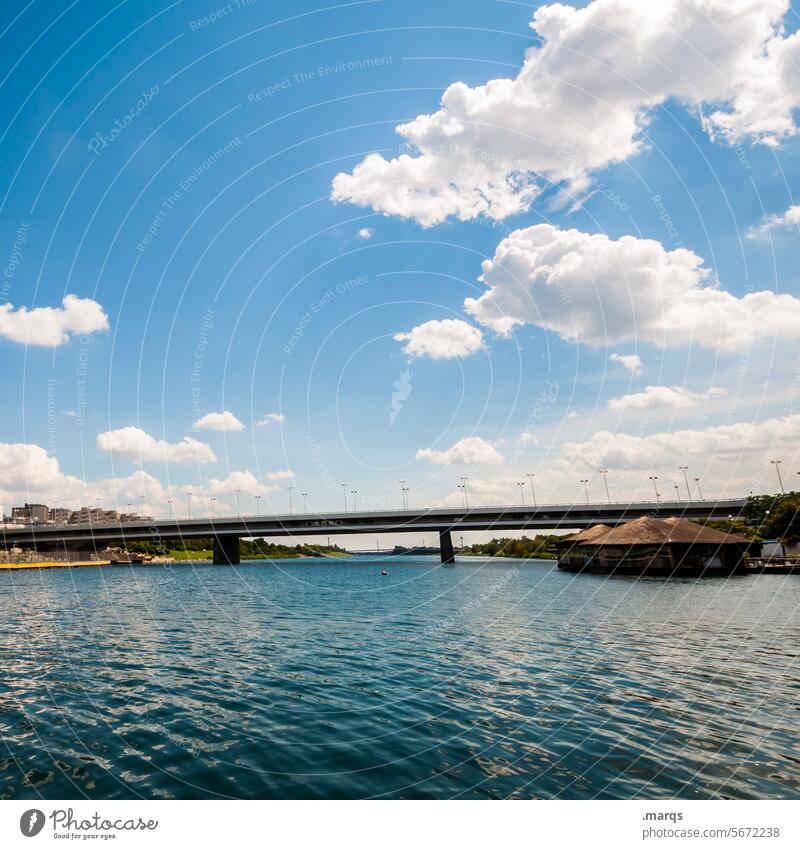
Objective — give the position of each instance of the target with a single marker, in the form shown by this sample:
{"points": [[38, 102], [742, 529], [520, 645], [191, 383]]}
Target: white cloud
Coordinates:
{"points": [[52, 326], [602, 291], [790, 218], [632, 362], [365, 233], [471, 449], [442, 340], [528, 438], [242, 480], [136, 444], [724, 443], [572, 414], [284, 475], [653, 397], [581, 101], [224, 421], [271, 418]]}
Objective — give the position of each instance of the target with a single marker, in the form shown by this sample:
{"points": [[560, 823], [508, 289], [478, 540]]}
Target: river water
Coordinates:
{"points": [[323, 679]]}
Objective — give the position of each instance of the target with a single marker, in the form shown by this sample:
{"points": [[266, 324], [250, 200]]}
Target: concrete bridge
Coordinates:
{"points": [[227, 531]]}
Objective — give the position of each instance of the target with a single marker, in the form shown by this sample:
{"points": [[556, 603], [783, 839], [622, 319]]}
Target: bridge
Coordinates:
{"points": [[227, 531]]}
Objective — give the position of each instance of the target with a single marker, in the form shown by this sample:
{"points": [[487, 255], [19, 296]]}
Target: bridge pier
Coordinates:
{"points": [[446, 547], [226, 551]]}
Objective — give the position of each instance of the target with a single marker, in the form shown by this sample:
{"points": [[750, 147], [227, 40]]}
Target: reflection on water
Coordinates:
{"points": [[322, 679]]}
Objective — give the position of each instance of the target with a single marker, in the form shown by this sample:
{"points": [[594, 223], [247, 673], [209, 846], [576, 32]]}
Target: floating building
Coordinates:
{"points": [[654, 547]]}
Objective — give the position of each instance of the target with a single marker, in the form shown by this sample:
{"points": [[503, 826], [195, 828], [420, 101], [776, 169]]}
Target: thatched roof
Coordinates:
{"points": [[647, 530], [587, 534]]}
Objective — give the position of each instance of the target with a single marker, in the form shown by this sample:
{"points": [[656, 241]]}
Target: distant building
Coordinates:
{"points": [[58, 515], [654, 547], [30, 514]]}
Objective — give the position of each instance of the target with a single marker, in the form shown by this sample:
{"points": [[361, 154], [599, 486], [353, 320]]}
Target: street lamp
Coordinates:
{"points": [[258, 505], [585, 482], [699, 491], [604, 472], [530, 477], [170, 501], [354, 493], [289, 488], [344, 493], [188, 504], [403, 492], [677, 493], [464, 480], [654, 478], [213, 502], [142, 498], [305, 501], [777, 464], [684, 469], [406, 490], [521, 485]]}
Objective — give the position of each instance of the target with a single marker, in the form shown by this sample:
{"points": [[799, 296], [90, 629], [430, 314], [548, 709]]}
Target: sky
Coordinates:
{"points": [[253, 246]]}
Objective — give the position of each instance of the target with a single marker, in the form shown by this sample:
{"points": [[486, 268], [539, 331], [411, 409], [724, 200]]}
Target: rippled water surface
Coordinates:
{"points": [[325, 680]]}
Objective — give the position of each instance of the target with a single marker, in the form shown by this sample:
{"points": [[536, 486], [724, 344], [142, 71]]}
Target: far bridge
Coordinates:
{"points": [[227, 531]]}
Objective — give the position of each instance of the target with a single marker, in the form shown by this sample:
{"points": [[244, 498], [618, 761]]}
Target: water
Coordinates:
{"points": [[321, 679]]}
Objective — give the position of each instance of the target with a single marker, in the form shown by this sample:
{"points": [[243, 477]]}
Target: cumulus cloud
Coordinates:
{"points": [[136, 444], [284, 475], [471, 449], [224, 421], [790, 218], [442, 340], [632, 362], [271, 418], [241, 480], [581, 101], [365, 233], [727, 443], [678, 397], [52, 326], [601, 291]]}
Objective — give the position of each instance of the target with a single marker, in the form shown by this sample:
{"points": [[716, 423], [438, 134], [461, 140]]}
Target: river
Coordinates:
{"points": [[325, 679]]}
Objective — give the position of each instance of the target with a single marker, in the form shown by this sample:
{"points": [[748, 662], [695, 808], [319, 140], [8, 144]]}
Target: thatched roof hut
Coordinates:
{"points": [[651, 545]]}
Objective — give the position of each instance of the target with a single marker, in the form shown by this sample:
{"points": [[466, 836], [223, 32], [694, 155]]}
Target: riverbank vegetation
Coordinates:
{"points": [[249, 549], [540, 547], [766, 517]]}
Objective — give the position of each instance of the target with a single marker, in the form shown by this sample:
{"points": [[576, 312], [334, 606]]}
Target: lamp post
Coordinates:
{"points": [[354, 493], [289, 488], [604, 472], [699, 491], [464, 480], [406, 491], [585, 482], [141, 513], [188, 504], [344, 493], [170, 501], [258, 505], [677, 493], [531, 476], [777, 464], [460, 489], [521, 485], [305, 501], [654, 478], [213, 502], [685, 469], [402, 483]]}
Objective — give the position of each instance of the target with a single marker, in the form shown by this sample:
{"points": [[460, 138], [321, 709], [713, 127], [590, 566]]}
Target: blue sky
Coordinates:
{"points": [[256, 292]]}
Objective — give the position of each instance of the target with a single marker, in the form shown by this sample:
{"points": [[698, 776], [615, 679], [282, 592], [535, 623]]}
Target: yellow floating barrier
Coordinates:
{"points": [[53, 564]]}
